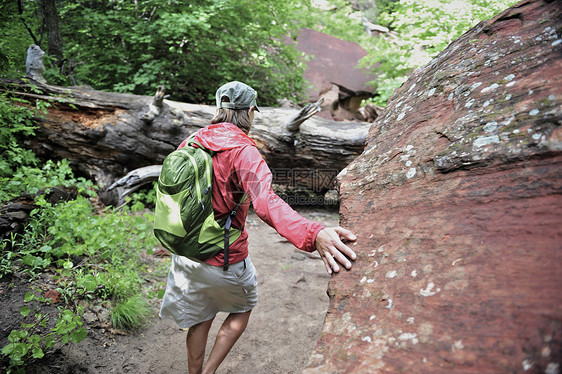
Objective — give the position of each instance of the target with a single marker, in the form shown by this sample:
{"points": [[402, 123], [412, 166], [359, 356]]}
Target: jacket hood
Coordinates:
{"points": [[222, 136]]}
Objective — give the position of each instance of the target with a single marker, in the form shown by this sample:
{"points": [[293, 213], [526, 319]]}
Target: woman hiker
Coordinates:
{"points": [[196, 291]]}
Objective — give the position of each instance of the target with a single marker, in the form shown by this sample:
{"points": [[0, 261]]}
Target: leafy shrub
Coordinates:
{"points": [[190, 47], [15, 122], [14, 41], [143, 198], [40, 335], [423, 29], [90, 256], [63, 233], [31, 179], [20, 170]]}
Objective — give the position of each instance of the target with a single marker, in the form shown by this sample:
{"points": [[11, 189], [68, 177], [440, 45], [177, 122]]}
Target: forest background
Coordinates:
{"points": [[192, 46], [90, 256]]}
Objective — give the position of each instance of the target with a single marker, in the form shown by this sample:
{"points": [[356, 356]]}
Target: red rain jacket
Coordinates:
{"points": [[238, 167]]}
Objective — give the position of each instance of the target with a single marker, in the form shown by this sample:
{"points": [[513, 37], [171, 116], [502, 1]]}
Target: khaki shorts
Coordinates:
{"points": [[196, 291]]}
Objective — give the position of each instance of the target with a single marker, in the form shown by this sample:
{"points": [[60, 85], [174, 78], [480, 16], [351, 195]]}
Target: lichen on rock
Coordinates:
{"points": [[459, 185]]}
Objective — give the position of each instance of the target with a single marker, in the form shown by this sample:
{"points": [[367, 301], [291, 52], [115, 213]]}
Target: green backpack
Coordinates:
{"points": [[184, 221]]}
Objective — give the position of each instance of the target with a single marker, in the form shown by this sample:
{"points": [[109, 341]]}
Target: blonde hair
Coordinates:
{"points": [[238, 117]]}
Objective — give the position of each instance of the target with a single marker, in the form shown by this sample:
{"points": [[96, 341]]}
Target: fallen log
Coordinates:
{"points": [[117, 193], [106, 135]]}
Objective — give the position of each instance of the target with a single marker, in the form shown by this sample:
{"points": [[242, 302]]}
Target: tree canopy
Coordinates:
{"points": [[191, 47], [422, 30]]}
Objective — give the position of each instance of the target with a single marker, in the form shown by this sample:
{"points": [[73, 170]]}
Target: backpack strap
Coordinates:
{"points": [[227, 231]]}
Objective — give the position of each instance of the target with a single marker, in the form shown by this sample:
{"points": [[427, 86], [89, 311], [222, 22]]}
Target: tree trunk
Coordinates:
{"points": [[107, 135], [54, 39]]}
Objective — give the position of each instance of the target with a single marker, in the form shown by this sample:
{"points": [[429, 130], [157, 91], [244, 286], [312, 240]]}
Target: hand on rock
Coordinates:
{"points": [[333, 250]]}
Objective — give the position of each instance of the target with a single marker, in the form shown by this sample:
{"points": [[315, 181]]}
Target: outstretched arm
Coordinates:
{"points": [[332, 249]]}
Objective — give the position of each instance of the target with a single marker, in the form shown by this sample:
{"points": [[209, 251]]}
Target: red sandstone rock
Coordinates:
{"points": [[333, 73], [333, 62], [457, 204]]}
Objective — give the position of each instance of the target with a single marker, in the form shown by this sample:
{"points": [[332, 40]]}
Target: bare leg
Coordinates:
{"points": [[231, 329], [196, 343]]}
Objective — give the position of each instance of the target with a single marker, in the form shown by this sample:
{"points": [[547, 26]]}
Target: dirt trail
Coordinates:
{"points": [[283, 329]]}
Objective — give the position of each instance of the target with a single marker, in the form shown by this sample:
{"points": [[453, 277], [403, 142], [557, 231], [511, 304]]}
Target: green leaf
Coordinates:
{"points": [[45, 248], [16, 350], [28, 297], [78, 335], [8, 349], [49, 342], [38, 352], [24, 311], [17, 335], [88, 282]]}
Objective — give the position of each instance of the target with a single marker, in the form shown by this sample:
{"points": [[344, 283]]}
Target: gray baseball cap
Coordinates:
{"points": [[240, 96]]}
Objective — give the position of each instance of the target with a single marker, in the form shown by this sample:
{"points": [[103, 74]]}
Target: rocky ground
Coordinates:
{"points": [[282, 332]]}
